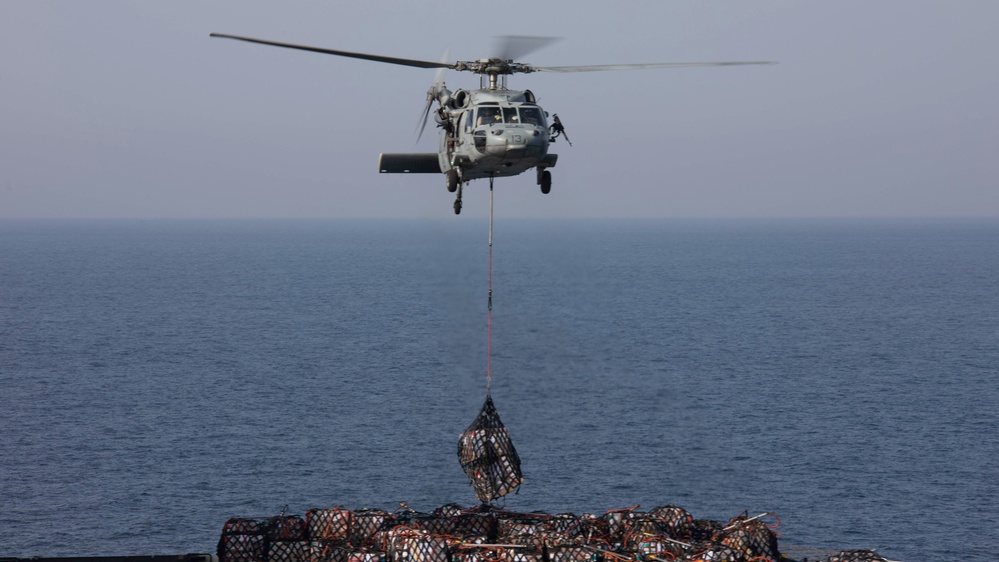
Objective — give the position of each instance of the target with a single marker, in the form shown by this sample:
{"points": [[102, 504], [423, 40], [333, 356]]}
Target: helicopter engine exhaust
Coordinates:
{"points": [[459, 100]]}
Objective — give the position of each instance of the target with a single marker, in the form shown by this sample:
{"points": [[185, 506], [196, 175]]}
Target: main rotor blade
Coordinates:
{"points": [[439, 75], [516, 47], [376, 58], [601, 67]]}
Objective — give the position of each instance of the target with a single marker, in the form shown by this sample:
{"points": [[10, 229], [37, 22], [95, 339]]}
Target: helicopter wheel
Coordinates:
{"points": [[452, 180], [546, 182], [457, 201]]}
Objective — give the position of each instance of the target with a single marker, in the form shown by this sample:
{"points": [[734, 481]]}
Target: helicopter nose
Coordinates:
{"points": [[516, 142], [523, 142]]}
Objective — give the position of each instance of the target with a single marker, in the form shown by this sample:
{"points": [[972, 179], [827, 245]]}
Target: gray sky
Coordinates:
{"points": [[129, 109]]}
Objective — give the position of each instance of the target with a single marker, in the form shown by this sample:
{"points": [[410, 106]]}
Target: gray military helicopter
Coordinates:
{"points": [[492, 131]]}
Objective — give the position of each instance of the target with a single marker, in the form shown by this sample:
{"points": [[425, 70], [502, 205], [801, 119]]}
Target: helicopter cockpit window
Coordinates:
{"points": [[510, 115], [488, 116], [532, 116]]}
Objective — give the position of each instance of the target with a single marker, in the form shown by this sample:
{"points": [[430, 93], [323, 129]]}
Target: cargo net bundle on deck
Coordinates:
{"points": [[488, 534]]}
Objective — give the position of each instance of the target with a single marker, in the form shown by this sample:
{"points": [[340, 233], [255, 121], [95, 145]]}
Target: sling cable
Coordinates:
{"points": [[485, 451]]}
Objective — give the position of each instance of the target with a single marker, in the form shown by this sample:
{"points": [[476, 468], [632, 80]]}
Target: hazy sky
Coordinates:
{"points": [[129, 109]]}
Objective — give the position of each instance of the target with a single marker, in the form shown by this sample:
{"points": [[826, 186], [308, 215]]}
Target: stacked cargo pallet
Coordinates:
{"points": [[486, 534]]}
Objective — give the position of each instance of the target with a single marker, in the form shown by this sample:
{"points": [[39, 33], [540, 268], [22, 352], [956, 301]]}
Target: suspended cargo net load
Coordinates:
{"points": [[452, 533], [488, 457]]}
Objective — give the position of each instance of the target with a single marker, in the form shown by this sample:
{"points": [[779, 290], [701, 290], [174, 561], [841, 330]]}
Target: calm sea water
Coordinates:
{"points": [[157, 378]]}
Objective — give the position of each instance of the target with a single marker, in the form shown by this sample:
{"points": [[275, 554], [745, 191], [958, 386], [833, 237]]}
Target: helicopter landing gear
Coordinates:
{"points": [[457, 201], [545, 181], [452, 180]]}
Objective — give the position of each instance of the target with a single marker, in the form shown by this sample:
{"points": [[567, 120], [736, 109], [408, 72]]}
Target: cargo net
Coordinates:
{"points": [[278, 539], [485, 533], [488, 457]]}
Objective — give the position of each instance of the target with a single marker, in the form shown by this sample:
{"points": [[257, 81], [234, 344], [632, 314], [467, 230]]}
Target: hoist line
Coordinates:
{"points": [[489, 308]]}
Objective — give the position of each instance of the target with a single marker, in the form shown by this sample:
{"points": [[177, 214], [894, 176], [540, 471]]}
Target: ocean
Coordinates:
{"points": [[159, 377]]}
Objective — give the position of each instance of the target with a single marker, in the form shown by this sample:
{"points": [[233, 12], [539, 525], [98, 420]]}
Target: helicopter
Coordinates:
{"points": [[491, 131]]}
